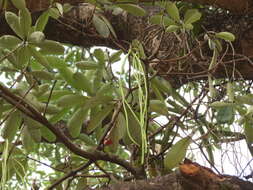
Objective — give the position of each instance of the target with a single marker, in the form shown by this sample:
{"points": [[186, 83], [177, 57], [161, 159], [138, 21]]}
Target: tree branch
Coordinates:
{"points": [[242, 6], [92, 155], [68, 175]]}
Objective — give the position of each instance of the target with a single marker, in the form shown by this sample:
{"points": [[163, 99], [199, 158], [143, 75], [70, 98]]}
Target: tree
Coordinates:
{"points": [[65, 107]]}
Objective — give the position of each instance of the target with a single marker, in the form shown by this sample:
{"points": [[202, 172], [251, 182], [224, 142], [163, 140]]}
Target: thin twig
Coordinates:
{"points": [[49, 97], [70, 174], [92, 155], [44, 164]]}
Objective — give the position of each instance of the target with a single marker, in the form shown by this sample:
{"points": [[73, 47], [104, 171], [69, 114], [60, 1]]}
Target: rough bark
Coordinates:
{"points": [[178, 181], [243, 6], [189, 176]]}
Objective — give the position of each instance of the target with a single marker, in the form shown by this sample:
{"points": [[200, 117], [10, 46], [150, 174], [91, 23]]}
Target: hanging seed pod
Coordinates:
{"points": [[230, 92]]}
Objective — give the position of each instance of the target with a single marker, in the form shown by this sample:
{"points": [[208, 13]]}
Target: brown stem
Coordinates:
{"points": [[91, 155]]}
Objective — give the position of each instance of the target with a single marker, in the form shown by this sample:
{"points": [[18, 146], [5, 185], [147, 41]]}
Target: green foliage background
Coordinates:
{"points": [[77, 91]]}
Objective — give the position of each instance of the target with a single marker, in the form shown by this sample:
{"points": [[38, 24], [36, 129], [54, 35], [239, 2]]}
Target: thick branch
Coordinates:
{"points": [[76, 28], [92, 155], [242, 6], [177, 181]]}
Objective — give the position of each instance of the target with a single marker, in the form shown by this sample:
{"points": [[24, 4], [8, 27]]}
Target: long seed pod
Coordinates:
{"points": [[230, 92]]}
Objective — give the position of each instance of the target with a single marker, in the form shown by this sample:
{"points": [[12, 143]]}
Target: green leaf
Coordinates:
{"points": [[11, 126], [225, 36], [163, 85], [47, 134], [19, 4], [42, 21], [87, 65], [132, 9], [245, 99], [173, 11], [248, 130], [71, 100], [248, 114], [19, 165], [117, 132], [225, 115], [101, 26], [54, 13], [27, 140], [106, 89], [218, 104], [44, 75], [36, 37], [59, 7], [13, 21], [109, 26], [9, 41], [25, 21], [67, 74], [157, 92], [50, 108], [191, 16], [158, 106], [172, 28], [209, 150], [97, 100], [188, 26], [133, 131], [100, 56], [76, 121], [218, 44], [211, 44], [56, 62], [56, 94], [39, 57], [115, 57], [2, 109], [177, 153], [97, 80], [51, 47], [67, 7], [59, 115], [98, 118], [82, 82], [87, 139], [162, 20], [23, 56]]}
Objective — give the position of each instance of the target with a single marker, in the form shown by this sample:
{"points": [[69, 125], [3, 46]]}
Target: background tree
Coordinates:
{"points": [[93, 115]]}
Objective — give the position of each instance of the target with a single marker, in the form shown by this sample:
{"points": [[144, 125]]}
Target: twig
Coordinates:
{"points": [[91, 155], [11, 52], [56, 169], [49, 97], [70, 174]]}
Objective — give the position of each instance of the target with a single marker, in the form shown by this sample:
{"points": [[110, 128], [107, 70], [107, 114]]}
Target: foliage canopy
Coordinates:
{"points": [[96, 116]]}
